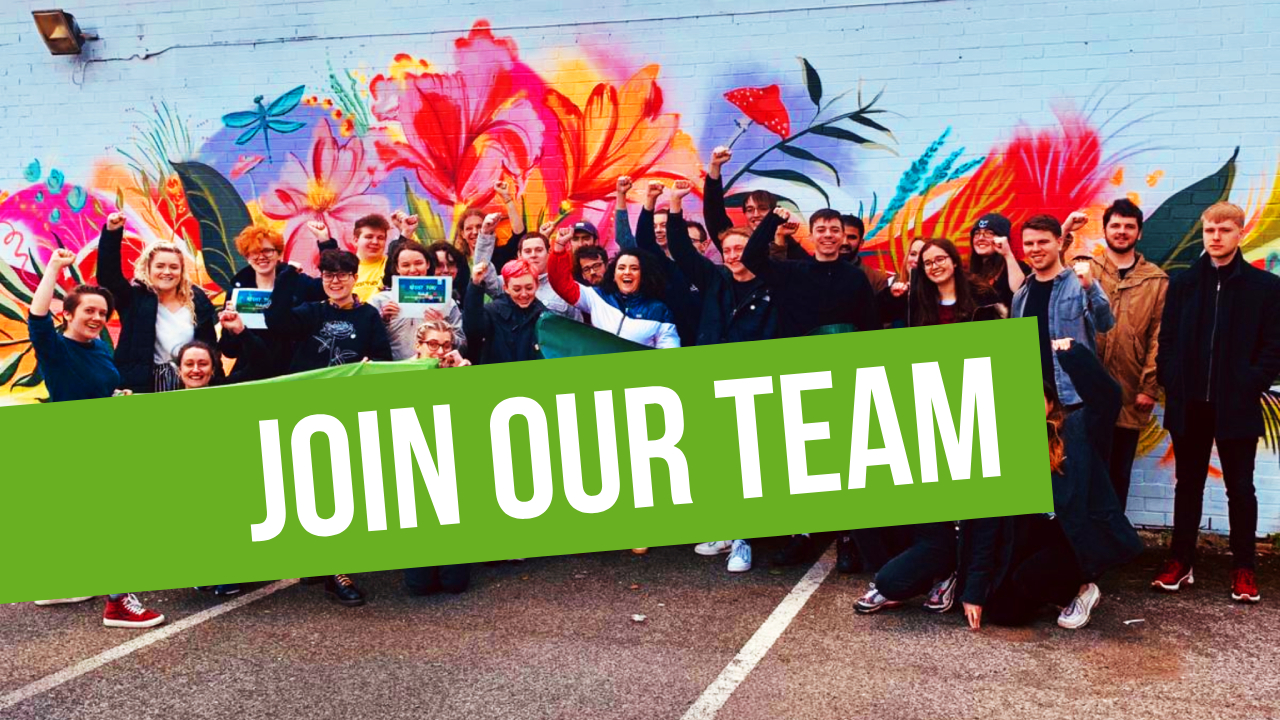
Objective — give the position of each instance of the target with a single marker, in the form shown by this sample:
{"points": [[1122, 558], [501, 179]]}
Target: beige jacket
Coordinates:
{"points": [[1128, 351]]}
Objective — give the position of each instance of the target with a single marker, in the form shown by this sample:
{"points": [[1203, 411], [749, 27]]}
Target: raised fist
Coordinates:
{"points": [[656, 188], [115, 221], [231, 320], [61, 260], [490, 223], [721, 155], [1002, 245], [682, 188], [477, 272], [547, 229], [1084, 273], [1074, 222], [319, 229], [503, 189], [899, 289], [783, 214], [624, 184]]}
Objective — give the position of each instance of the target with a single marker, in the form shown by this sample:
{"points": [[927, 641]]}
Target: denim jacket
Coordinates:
{"points": [[1074, 313]]}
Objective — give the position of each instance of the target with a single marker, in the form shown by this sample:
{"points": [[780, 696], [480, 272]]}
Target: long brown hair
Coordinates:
{"points": [[925, 297], [1054, 420]]}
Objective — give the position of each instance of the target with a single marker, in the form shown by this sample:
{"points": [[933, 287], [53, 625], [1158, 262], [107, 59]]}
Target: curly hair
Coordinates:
{"points": [[653, 283], [185, 291], [255, 237], [1056, 418]]}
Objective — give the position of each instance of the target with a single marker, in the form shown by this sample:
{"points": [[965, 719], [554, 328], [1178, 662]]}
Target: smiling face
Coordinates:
{"points": [[195, 368], [699, 240], [338, 286], [755, 212], [88, 319], [732, 248], [1221, 239], [626, 274], [165, 270], [913, 254], [1041, 248], [436, 344], [445, 266], [533, 250], [660, 229], [852, 240], [411, 263], [828, 236], [264, 259], [1122, 234], [984, 242], [937, 265], [371, 243], [471, 230], [523, 290]]}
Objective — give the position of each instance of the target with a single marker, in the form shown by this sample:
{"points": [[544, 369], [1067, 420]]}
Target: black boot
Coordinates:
{"points": [[797, 550], [344, 590], [846, 554]]}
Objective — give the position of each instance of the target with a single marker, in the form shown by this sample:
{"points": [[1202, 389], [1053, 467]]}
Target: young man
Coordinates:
{"points": [[854, 230], [758, 205], [370, 234], [589, 264], [533, 249], [816, 291], [1136, 290], [77, 365], [1067, 303], [1219, 351], [584, 233]]}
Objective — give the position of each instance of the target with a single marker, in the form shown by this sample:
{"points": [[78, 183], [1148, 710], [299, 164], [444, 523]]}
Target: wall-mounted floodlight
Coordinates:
{"points": [[60, 32]]}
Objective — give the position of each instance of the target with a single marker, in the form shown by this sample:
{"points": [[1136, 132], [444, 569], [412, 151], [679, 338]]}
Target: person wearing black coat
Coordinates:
{"points": [[1219, 351], [160, 310], [680, 294], [736, 305], [264, 353], [504, 330], [1011, 567]]}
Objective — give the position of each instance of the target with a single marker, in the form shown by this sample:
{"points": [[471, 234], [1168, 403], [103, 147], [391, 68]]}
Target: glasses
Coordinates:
{"points": [[984, 234], [596, 267], [437, 345], [937, 262], [336, 277], [264, 252]]}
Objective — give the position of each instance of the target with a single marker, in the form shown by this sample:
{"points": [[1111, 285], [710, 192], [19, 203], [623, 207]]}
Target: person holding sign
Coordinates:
{"points": [[504, 330], [626, 304], [1011, 567], [160, 310], [260, 353], [410, 260], [77, 365]]}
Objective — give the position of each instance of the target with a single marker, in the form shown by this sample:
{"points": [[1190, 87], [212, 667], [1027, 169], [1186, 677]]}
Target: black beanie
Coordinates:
{"points": [[995, 222]]}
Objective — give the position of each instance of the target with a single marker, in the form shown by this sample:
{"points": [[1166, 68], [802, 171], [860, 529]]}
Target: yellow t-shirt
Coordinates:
{"points": [[369, 278]]}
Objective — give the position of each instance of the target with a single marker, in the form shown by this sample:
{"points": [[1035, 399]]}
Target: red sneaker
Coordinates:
{"points": [[127, 612], [1172, 575], [1244, 586]]}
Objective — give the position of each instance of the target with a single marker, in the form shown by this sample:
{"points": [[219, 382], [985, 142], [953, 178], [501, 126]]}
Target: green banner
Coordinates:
{"points": [[378, 470]]}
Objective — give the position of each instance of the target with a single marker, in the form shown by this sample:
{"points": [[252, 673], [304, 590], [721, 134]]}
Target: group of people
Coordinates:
{"points": [[1116, 335]]}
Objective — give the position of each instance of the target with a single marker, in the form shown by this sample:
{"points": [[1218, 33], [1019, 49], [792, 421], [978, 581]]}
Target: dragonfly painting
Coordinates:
{"points": [[267, 119]]}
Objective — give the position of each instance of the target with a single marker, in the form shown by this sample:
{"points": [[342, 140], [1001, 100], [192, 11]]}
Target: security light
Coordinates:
{"points": [[60, 32]]}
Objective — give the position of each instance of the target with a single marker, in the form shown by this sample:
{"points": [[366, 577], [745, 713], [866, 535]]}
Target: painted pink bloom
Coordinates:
{"points": [[461, 132], [244, 165], [330, 187]]}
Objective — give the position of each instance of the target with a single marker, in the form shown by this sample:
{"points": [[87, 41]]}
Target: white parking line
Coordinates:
{"points": [[50, 682], [718, 692]]}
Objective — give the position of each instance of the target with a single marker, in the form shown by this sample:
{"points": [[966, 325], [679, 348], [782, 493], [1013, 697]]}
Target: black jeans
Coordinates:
{"points": [[1191, 453], [928, 556], [1044, 571], [1124, 448], [426, 580]]}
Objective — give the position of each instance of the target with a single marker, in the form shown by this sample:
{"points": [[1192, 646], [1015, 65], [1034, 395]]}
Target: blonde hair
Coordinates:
{"points": [[142, 273], [429, 326], [459, 241], [1221, 212]]}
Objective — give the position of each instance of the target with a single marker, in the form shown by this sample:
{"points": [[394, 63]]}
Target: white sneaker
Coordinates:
{"points": [[740, 557], [65, 601], [715, 547], [1076, 615], [873, 601]]}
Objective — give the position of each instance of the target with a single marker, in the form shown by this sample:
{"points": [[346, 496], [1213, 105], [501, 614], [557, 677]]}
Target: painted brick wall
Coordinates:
{"points": [[1074, 103]]}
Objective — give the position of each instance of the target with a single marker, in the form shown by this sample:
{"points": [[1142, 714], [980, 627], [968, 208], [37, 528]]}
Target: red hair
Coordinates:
{"points": [[517, 268]]}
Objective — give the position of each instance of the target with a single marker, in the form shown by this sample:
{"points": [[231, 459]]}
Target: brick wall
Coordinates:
{"points": [[1072, 103]]}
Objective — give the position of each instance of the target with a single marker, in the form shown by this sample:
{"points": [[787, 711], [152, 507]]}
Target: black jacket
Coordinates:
{"points": [[325, 335], [1245, 345], [1083, 498], [500, 331], [137, 305], [681, 296], [725, 317], [809, 293], [261, 354]]}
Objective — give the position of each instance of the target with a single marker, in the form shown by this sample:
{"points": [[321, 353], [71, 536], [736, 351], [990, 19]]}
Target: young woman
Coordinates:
{"points": [[992, 260], [435, 340], [504, 330], [336, 331], [531, 248], [263, 353], [447, 261], [941, 291], [410, 259], [196, 362], [468, 231], [626, 303], [77, 365], [1010, 568], [160, 311]]}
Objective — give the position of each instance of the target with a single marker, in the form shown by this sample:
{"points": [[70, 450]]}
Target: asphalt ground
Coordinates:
{"points": [[556, 638]]}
